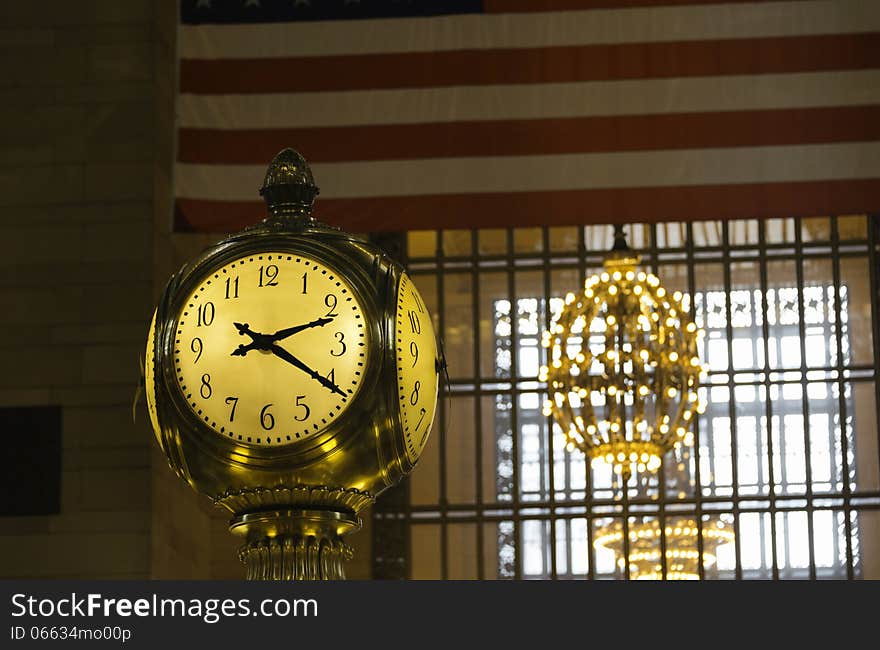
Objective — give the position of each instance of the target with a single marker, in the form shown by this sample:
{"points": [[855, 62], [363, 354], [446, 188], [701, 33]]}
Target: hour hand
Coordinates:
{"points": [[283, 334], [280, 352]]}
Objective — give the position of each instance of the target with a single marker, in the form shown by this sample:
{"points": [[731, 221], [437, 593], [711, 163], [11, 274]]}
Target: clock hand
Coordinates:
{"points": [[290, 331], [243, 329], [242, 350], [278, 351]]}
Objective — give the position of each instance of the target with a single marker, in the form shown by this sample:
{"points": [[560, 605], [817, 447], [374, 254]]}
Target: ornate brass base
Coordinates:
{"points": [[295, 544]]}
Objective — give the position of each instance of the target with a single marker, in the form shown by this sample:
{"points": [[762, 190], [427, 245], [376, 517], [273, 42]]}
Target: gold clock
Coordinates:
{"points": [[291, 376]]}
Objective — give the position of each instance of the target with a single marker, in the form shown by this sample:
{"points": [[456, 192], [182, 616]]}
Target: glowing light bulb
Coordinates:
{"points": [[604, 277], [630, 275], [611, 354], [638, 289], [691, 327], [569, 298], [671, 392], [612, 390], [673, 356], [612, 290], [615, 426], [610, 319], [660, 292], [580, 357], [644, 390], [557, 363], [589, 293], [677, 296]]}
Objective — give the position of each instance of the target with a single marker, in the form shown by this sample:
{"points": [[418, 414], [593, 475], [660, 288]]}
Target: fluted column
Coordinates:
{"points": [[295, 544]]}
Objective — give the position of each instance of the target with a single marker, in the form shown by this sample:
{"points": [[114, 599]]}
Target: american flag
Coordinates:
{"points": [[464, 113]]}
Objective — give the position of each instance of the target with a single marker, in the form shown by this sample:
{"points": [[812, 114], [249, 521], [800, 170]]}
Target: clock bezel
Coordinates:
{"points": [[327, 440]]}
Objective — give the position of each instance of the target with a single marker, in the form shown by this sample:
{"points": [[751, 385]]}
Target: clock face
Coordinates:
{"points": [[416, 367], [270, 349]]}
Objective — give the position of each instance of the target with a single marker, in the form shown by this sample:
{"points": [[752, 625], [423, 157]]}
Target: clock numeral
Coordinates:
{"points": [[205, 389], [414, 352], [267, 420], [305, 282], [414, 323], [419, 304], [305, 406], [206, 314], [341, 338], [414, 397], [330, 302], [268, 276], [332, 375], [196, 347], [422, 412], [234, 401], [231, 288]]}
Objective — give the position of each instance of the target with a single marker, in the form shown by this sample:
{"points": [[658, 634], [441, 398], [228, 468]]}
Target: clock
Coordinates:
{"points": [[292, 377], [270, 348]]}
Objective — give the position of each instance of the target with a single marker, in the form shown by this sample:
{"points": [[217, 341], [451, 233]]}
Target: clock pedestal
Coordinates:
{"points": [[294, 533], [295, 544]]}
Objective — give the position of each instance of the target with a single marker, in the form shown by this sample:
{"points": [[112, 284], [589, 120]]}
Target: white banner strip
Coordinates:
{"points": [[523, 102]]}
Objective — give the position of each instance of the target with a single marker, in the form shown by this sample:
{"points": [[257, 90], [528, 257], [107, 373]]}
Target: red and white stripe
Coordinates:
{"points": [[663, 110]]}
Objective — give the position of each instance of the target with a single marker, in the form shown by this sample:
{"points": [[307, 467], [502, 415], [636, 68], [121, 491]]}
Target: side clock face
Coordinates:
{"points": [[416, 367], [270, 349], [149, 373]]}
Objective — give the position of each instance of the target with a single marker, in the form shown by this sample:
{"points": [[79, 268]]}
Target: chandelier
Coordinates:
{"points": [[623, 372], [682, 546]]}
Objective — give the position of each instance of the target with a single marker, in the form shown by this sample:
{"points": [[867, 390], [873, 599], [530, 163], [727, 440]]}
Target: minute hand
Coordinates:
{"points": [[283, 334], [284, 354]]}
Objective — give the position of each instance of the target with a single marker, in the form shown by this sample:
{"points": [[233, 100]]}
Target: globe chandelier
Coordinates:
{"points": [[623, 371]]}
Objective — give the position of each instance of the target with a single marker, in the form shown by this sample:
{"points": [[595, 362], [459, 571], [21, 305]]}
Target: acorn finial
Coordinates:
{"points": [[289, 188]]}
